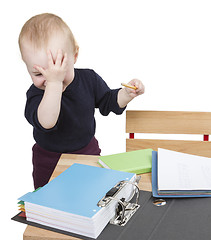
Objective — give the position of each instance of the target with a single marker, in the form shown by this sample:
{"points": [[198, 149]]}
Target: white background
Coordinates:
{"points": [[166, 44]]}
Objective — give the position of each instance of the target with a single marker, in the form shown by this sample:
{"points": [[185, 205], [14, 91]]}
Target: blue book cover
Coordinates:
{"points": [[155, 193], [77, 190]]}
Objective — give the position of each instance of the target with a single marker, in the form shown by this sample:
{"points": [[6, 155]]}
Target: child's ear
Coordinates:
{"points": [[76, 54]]}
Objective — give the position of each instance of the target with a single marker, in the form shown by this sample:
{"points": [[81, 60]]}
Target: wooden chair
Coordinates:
{"points": [[169, 122]]}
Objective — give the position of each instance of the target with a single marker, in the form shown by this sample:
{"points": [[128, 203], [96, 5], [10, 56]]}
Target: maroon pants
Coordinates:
{"points": [[44, 162]]}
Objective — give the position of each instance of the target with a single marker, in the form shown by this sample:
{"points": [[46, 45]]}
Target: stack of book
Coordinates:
{"points": [[176, 174], [69, 202]]}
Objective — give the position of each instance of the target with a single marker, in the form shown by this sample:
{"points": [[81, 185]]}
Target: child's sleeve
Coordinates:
{"points": [[34, 97], [106, 98]]}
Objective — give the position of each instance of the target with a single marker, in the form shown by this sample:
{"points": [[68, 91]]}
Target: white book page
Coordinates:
{"points": [[181, 171]]}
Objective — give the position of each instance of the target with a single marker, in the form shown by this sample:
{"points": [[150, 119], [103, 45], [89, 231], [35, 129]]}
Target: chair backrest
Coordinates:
{"points": [[169, 122]]}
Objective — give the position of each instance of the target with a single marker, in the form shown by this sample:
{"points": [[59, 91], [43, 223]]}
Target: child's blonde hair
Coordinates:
{"points": [[40, 28]]}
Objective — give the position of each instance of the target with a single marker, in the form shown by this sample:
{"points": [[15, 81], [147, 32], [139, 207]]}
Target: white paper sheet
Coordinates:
{"points": [[181, 171]]}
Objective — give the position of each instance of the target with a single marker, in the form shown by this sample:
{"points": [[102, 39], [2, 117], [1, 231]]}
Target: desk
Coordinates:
{"points": [[66, 160]]}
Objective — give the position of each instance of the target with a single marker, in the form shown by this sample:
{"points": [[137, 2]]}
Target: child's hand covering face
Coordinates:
{"points": [[52, 66], [56, 70]]}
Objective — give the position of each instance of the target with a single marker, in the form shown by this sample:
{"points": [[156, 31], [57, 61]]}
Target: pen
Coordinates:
{"points": [[128, 86]]}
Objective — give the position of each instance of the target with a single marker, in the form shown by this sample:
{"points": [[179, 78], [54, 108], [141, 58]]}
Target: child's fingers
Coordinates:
{"points": [[39, 69], [50, 58], [134, 83], [59, 58], [64, 62], [140, 88]]}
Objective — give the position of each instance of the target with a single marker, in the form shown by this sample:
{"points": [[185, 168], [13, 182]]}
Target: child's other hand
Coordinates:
{"points": [[125, 95], [57, 70], [139, 88]]}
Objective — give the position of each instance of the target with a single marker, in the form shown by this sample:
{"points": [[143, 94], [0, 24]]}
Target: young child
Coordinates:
{"points": [[61, 101]]}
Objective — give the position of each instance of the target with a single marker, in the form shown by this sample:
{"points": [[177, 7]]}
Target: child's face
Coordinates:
{"points": [[33, 56]]}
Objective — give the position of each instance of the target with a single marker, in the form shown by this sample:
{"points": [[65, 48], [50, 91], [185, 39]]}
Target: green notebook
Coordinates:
{"points": [[139, 161]]}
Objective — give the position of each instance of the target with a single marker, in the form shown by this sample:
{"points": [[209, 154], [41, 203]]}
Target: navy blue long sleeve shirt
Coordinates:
{"points": [[76, 123]]}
